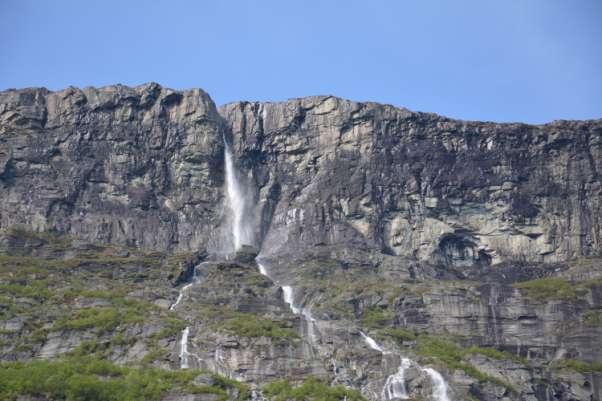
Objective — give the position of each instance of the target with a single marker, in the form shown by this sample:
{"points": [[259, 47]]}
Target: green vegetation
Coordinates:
{"points": [[310, 390], [592, 318], [453, 356], [103, 289], [244, 324], [597, 282], [550, 288], [375, 317], [579, 366], [250, 325], [91, 379], [52, 240], [37, 290], [103, 319], [399, 335]]}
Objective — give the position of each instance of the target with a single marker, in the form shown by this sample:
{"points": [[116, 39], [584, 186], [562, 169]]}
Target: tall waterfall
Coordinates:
{"points": [[236, 201]]}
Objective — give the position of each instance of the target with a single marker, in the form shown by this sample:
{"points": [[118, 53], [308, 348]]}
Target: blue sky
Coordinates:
{"points": [[510, 60]]}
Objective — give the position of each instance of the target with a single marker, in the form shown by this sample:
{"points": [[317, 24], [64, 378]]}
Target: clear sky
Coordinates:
{"points": [[500, 60]]}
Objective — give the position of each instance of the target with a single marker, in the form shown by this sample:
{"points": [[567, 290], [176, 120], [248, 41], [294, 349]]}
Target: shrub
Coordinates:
{"points": [[453, 357], [400, 335], [250, 325], [88, 379], [579, 366], [592, 318], [375, 317], [545, 289], [311, 390], [103, 319]]}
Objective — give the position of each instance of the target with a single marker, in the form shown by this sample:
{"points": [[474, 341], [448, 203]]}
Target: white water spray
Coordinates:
{"points": [[439, 385], [180, 296], [184, 349], [236, 202], [262, 270], [311, 325], [288, 296], [372, 343], [395, 386]]}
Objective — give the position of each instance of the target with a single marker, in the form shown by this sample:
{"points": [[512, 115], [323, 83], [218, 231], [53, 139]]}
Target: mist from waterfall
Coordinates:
{"points": [[238, 205]]}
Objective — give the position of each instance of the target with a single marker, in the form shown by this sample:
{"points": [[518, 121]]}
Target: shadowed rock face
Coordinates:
{"points": [[380, 218]]}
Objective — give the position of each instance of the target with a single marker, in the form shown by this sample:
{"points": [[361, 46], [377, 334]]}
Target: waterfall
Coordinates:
{"points": [[184, 349], [395, 386], [287, 292], [372, 343], [311, 324], [439, 385], [242, 234], [236, 202], [180, 296], [262, 270], [289, 298]]}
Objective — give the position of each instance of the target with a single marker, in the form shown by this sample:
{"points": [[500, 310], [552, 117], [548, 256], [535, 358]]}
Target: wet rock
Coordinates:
{"points": [[246, 254]]}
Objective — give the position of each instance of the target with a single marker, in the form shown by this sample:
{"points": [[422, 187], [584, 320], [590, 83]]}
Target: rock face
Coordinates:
{"points": [[143, 166], [137, 166], [420, 185], [467, 246]]}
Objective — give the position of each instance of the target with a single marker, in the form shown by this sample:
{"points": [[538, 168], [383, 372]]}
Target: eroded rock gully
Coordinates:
{"points": [[473, 248]]}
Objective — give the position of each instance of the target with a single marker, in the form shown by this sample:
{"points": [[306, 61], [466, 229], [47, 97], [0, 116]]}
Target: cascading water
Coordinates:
{"points": [[184, 339], [395, 388], [289, 298], [371, 343], [180, 296], [242, 234], [439, 385], [184, 348], [236, 200], [288, 295]]}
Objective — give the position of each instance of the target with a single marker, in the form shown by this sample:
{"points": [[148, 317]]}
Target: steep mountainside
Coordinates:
{"points": [[403, 255]]}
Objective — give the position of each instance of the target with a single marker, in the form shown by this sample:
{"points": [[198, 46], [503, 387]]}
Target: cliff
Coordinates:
{"points": [[472, 247]]}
